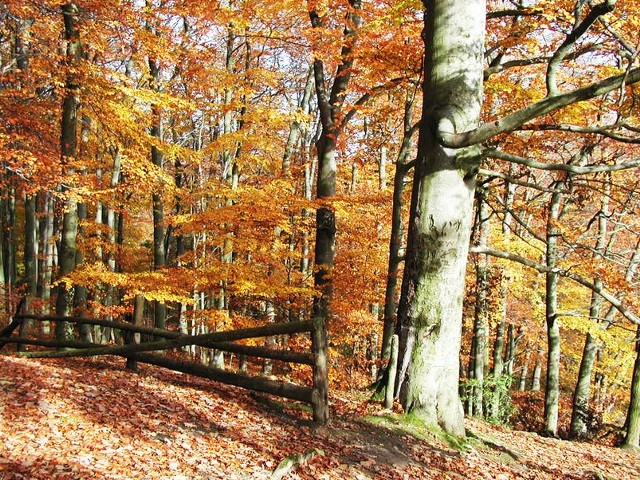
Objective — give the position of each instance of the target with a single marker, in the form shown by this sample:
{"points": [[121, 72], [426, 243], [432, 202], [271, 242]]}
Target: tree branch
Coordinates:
{"points": [[515, 120], [615, 302], [596, 12], [498, 67], [576, 169], [495, 174], [604, 131], [375, 91]]}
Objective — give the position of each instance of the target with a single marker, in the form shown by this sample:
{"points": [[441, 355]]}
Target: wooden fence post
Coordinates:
{"points": [[320, 372]]}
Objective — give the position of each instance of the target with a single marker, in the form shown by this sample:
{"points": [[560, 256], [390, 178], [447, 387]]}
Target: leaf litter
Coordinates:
{"points": [[90, 418]]}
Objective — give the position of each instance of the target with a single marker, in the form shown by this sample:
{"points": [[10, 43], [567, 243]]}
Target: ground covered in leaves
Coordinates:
{"points": [[90, 418]]}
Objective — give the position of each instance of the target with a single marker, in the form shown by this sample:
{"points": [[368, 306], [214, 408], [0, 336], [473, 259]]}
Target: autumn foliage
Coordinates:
{"points": [[193, 183]]}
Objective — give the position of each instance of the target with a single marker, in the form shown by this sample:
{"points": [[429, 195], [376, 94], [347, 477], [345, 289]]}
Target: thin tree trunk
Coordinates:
{"points": [[396, 240], [69, 142], [137, 319], [80, 295], [8, 212], [3, 280], [45, 261], [552, 389], [524, 372], [580, 407], [296, 129], [330, 102], [159, 229], [30, 257], [536, 379], [480, 324], [498, 355]]}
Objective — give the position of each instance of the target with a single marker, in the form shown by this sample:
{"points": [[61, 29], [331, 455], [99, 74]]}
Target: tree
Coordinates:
{"points": [[331, 98], [449, 153], [430, 309], [632, 437], [68, 148]]}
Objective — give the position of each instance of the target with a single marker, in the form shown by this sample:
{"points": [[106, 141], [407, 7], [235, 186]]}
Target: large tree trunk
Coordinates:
{"points": [[430, 309]]}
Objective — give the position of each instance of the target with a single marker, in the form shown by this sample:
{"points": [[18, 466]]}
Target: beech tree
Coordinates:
{"points": [[449, 154], [69, 146]]}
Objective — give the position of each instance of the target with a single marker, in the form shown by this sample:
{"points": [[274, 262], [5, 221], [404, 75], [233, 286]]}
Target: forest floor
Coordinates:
{"points": [[91, 418]]}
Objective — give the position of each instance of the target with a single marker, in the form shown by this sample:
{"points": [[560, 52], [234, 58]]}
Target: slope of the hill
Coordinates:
{"points": [[88, 418]]}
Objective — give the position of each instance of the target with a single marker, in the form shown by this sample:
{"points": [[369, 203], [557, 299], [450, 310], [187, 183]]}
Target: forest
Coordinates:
{"points": [[444, 193]]}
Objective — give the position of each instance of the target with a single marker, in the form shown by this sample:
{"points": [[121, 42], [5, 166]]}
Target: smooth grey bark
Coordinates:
{"points": [[430, 308], [391, 377], [396, 239], [632, 437], [513, 338], [68, 147], [552, 390], [580, 404], [524, 372], [296, 130], [498, 355], [30, 245], [45, 260], [481, 314]]}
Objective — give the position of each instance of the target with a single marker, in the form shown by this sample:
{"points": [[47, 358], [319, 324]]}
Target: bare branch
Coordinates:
{"points": [[495, 174], [513, 13], [497, 67], [576, 169], [525, 225], [518, 118], [615, 302], [596, 12], [605, 131], [374, 92]]}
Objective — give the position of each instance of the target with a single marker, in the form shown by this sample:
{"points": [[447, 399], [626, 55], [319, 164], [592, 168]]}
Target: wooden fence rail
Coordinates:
{"points": [[317, 395]]}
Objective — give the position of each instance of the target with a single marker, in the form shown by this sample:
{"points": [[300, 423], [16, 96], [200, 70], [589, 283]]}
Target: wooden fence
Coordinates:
{"points": [[317, 395]]}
